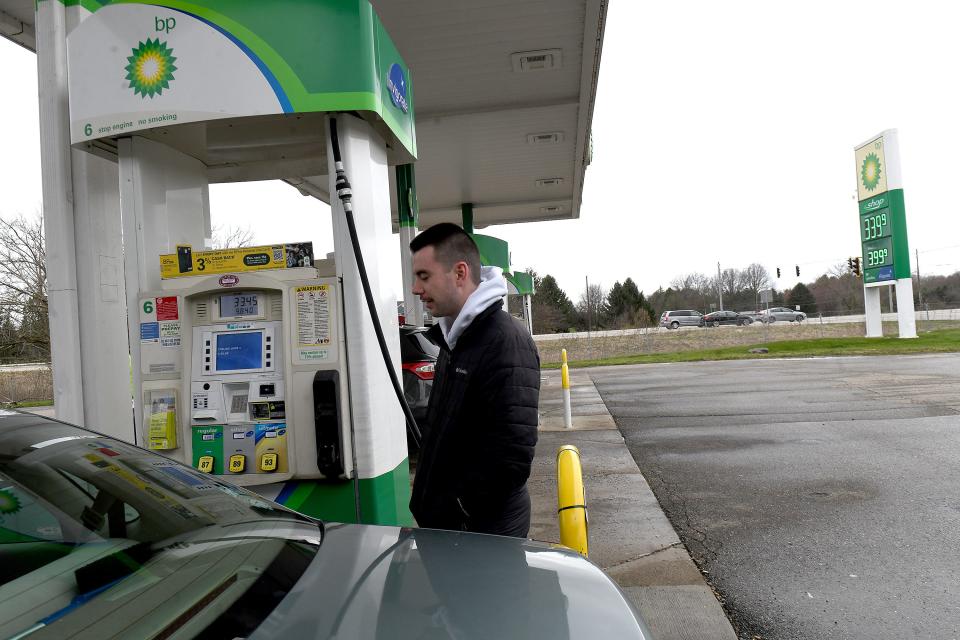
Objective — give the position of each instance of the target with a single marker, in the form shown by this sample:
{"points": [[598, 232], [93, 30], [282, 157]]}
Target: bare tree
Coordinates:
{"points": [[839, 270], [593, 301], [756, 278], [23, 281], [230, 237]]}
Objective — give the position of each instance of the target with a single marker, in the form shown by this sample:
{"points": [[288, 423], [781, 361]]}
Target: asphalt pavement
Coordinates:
{"points": [[630, 537], [819, 495]]}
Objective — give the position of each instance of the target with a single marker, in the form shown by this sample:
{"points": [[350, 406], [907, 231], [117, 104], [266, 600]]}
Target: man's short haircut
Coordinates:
{"points": [[451, 244]]}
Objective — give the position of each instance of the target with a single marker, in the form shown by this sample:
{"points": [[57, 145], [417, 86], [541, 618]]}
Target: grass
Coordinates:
{"points": [[28, 403], [939, 341]]}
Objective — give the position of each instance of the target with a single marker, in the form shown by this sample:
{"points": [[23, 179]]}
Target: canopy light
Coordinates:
{"points": [[536, 60]]}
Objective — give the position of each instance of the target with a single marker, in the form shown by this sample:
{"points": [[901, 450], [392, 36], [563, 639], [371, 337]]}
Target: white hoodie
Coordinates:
{"points": [[492, 288]]}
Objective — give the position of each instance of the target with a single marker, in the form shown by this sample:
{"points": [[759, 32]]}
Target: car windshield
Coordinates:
{"points": [[93, 529]]}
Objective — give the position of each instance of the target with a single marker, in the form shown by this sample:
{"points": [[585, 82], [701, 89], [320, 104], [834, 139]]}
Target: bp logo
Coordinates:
{"points": [[870, 172], [397, 85], [9, 503], [150, 68]]}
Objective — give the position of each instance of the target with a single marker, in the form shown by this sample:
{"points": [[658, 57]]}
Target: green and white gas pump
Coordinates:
{"points": [[273, 378]]}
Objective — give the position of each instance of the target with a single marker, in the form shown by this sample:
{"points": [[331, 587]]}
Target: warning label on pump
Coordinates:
{"points": [[201, 263], [167, 308], [313, 315]]}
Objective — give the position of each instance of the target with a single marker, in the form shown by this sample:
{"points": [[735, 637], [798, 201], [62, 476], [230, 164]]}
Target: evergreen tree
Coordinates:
{"points": [[552, 310], [802, 296]]}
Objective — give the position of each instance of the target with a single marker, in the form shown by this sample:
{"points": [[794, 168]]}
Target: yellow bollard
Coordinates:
{"points": [[571, 500]]}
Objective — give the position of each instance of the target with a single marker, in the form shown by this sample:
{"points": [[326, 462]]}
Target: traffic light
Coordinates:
{"points": [[850, 264], [798, 271], [778, 272], [856, 267]]}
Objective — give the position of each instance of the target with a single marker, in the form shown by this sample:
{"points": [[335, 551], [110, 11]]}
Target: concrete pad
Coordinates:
{"points": [[579, 423], [669, 567], [47, 412], [630, 536], [681, 612]]}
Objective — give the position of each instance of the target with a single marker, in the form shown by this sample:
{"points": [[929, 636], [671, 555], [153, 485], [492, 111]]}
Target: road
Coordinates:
{"points": [[922, 316], [822, 496], [26, 366]]}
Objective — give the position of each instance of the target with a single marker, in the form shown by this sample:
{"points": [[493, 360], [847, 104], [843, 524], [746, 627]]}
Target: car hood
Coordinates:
{"points": [[387, 582]]}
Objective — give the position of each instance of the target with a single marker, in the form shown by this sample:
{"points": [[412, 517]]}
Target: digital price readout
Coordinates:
{"points": [[874, 225], [239, 305], [883, 238], [878, 253]]}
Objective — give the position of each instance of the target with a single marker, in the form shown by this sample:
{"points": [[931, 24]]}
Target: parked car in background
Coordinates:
{"points": [[418, 359], [681, 318], [717, 318], [102, 539], [782, 314]]}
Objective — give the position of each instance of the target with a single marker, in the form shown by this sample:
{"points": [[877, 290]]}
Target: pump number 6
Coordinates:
{"points": [[148, 306]]}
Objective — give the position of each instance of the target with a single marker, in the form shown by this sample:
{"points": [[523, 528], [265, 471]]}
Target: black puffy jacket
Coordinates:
{"points": [[481, 430]]}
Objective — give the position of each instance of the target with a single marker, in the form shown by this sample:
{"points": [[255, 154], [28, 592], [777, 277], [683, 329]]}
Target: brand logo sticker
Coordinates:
{"points": [[150, 68], [397, 85]]}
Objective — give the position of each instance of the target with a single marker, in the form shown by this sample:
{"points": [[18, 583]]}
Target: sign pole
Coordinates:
{"points": [[883, 232]]}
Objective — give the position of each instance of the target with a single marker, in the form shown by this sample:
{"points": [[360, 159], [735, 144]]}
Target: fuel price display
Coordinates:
{"points": [[239, 305], [874, 225]]}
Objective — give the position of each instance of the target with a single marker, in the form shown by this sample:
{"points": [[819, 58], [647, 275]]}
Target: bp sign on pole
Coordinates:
{"points": [[883, 231]]}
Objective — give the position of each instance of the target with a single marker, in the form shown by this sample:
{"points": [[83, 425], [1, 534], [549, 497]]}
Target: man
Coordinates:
{"points": [[481, 426]]}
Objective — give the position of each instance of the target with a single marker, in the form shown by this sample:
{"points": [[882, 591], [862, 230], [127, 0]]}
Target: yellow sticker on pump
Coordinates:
{"points": [[237, 260], [205, 464], [237, 463], [268, 462]]}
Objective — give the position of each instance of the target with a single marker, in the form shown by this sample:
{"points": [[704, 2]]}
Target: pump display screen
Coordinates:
{"points": [[240, 350], [238, 305]]}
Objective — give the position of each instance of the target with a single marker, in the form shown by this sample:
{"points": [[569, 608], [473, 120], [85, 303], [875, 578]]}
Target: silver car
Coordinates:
{"points": [[102, 539], [681, 318], [782, 314]]}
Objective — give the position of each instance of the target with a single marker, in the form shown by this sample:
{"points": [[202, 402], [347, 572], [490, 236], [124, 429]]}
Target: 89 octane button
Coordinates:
{"points": [[237, 463]]}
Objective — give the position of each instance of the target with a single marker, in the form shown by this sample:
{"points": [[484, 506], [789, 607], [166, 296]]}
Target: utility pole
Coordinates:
{"points": [[920, 286], [587, 280], [719, 287]]}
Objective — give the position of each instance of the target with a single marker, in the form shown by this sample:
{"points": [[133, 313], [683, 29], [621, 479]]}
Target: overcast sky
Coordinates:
{"points": [[723, 132]]}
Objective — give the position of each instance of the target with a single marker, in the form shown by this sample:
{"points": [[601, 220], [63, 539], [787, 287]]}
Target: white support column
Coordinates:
{"points": [[58, 218], [101, 300], [164, 198], [871, 303], [378, 420], [412, 306], [906, 316], [528, 307]]}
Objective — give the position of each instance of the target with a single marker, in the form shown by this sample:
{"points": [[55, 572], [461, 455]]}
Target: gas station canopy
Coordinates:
{"points": [[504, 95]]}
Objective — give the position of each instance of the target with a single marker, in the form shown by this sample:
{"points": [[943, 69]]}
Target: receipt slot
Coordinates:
{"points": [[258, 359]]}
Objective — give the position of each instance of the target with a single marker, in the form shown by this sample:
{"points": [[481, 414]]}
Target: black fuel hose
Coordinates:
{"points": [[346, 197]]}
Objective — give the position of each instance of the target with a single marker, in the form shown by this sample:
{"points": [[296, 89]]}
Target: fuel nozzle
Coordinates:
{"points": [[343, 188]]}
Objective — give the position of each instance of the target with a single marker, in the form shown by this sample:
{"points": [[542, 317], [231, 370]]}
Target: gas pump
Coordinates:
{"points": [[257, 359], [256, 365]]}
